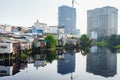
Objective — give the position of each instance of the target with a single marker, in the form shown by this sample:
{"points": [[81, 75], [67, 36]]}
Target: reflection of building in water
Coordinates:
{"points": [[60, 53], [39, 63], [5, 70], [23, 65], [40, 56], [11, 67], [9, 70], [101, 61], [66, 65], [39, 60]]}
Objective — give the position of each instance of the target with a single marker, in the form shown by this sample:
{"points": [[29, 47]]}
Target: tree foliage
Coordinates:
{"points": [[51, 41], [112, 41], [85, 44], [84, 40], [50, 55]]}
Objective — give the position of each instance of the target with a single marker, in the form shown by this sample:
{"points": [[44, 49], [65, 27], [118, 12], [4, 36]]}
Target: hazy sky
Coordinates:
{"points": [[26, 12]]}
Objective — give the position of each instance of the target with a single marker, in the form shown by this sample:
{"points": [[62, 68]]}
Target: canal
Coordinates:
{"points": [[98, 64]]}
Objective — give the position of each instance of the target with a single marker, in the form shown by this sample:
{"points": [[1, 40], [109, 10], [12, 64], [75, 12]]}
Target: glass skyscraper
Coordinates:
{"points": [[67, 18]]}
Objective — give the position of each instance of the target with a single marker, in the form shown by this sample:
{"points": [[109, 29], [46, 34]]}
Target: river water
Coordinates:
{"points": [[99, 64]]}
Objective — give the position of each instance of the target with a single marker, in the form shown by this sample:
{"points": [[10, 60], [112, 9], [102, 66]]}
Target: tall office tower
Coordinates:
{"points": [[102, 22], [67, 18]]}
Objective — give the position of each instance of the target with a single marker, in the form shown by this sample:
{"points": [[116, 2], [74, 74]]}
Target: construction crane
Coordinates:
{"points": [[73, 2], [72, 17], [72, 29]]}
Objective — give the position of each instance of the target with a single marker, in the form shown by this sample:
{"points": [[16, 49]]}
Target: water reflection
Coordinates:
{"points": [[41, 59], [100, 61], [11, 67], [66, 62], [66, 65]]}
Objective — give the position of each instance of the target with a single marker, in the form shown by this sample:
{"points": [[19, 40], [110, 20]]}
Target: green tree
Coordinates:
{"points": [[85, 44], [51, 41], [112, 40], [113, 43], [84, 40]]}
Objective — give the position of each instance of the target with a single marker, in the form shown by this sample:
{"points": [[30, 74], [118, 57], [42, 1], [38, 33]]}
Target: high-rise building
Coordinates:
{"points": [[102, 22], [67, 18]]}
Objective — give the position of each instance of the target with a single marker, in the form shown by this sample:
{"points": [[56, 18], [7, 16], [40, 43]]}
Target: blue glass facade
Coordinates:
{"points": [[67, 18]]}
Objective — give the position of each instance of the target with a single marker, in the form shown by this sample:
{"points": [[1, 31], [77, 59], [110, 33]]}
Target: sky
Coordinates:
{"points": [[26, 12]]}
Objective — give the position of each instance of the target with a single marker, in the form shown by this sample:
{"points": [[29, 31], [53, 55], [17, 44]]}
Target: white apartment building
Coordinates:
{"points": [[2, 28], [41, 26], [5, 28], [53, 29], [61, 29], [57, 29], [102, 21]]}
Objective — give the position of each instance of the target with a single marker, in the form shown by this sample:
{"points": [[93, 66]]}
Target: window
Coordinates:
{"points": [[3, 46]]}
